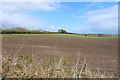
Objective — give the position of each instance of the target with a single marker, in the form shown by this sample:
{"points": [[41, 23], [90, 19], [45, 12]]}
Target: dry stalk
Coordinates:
{"points": [[82, 67], [75, 69]]}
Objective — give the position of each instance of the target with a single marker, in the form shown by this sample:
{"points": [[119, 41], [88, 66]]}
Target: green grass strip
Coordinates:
{"points": [[74, 35]]}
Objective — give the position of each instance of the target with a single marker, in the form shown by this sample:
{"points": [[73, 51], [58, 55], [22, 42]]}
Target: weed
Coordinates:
{"points": [[25, 66]]}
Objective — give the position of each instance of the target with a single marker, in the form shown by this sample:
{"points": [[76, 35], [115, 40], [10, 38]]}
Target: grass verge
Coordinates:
{"points": [[74, 35]]}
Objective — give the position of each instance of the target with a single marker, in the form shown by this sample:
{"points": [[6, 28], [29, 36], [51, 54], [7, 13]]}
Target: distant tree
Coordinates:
{"points": [[62, 31], [40, 30], [19, 29], [100, 35]]}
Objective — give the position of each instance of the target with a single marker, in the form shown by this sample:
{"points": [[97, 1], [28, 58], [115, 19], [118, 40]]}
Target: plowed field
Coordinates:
{"points": [[100, 53]]}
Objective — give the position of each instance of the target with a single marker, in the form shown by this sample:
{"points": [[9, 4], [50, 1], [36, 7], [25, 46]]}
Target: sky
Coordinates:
{"points": [[76, 17]]}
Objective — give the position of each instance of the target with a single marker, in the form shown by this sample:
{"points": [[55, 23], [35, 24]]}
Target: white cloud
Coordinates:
{"points": [[21, 20], [23, 6], [51, 28], [101, 21], [60, 0], [28, 0], [13, 14]]}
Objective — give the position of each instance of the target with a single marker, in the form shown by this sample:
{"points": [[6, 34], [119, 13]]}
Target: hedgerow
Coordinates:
{"points": [[25, 32]]}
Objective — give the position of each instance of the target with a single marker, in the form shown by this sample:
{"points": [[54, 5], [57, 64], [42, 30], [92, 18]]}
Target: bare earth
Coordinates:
{"points": [[100, 53]]}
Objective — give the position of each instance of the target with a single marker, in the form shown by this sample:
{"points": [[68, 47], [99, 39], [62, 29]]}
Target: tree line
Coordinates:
{"points": [[20, 30]]}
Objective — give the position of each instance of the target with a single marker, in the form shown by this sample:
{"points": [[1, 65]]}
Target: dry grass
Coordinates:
{"points": [[25, 66]]}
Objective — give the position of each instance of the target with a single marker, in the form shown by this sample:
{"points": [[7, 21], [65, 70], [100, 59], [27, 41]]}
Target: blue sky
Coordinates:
{"points": [[78, 17]]}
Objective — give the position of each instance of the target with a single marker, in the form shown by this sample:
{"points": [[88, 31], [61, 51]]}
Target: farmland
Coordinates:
{"points": [[99, 53]]}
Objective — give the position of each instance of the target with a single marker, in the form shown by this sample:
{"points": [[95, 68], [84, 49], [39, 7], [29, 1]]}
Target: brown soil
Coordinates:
{"points": [[100, 53]]}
